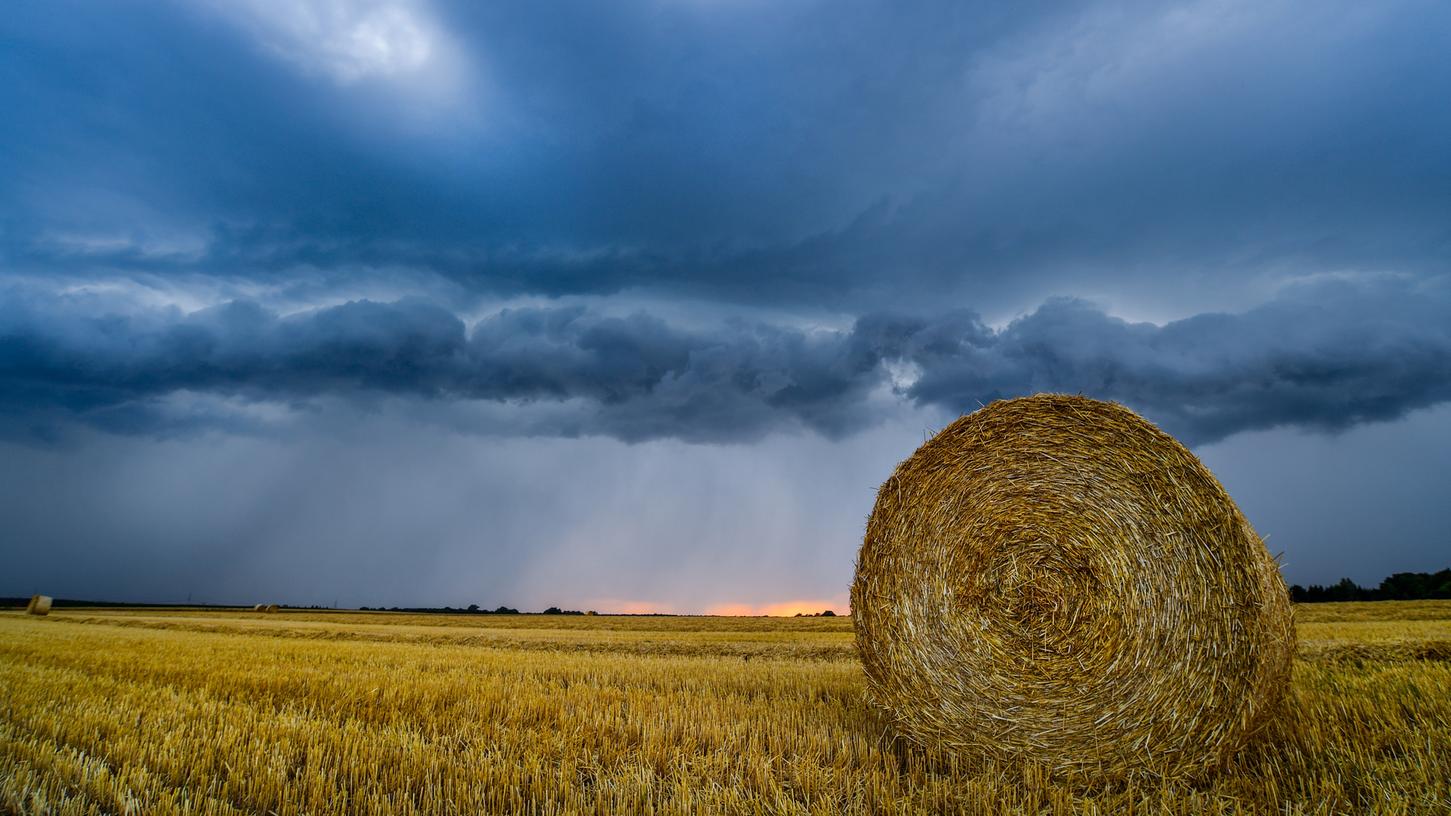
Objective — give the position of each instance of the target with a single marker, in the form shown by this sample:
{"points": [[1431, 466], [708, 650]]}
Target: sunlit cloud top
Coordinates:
{"points": [[348, 40]]}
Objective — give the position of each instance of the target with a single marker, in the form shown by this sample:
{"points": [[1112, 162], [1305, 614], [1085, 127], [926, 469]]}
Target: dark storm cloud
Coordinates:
{"points": [[810, 154], [634, 377], [1326, 355]]}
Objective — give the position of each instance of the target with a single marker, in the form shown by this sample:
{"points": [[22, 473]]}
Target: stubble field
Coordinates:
{"points": [[226, 712]]}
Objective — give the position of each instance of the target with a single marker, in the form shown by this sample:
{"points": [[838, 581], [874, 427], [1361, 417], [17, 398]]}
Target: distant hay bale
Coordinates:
{"points": [[259, 607], [39, 605], [1053, 580], [271, 607]]}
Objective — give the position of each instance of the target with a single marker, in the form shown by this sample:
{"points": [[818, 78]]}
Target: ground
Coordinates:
{"points": [[185, 711]]}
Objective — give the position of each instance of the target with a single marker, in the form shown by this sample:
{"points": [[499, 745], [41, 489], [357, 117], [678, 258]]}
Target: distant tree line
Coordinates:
{"points": [[60, 603], [1403, 586]]}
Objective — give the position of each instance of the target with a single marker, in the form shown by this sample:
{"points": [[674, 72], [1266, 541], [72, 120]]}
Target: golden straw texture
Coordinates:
{"points": [[1053, 580]]}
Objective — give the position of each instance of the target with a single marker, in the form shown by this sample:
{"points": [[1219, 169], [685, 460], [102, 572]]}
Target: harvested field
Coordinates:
{"points": [[182, 711]]}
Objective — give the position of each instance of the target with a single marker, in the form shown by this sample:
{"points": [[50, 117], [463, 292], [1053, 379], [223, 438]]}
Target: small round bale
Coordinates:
{"points": [[271, 607], [39, 605], [1055, 581], [259, 607]]}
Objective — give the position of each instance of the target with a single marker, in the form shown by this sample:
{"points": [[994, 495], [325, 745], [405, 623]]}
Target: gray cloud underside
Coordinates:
{"points": [[1325, 355]]}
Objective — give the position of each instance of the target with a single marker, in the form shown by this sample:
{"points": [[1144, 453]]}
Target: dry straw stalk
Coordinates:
{"points": [[39, 605], [1054, 581]]}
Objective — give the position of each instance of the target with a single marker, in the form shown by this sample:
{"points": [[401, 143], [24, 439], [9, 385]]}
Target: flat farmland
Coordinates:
{"points": [[232, 712]]}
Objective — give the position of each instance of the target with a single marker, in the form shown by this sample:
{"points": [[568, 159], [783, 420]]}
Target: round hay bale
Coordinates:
{"points": [[271, 607], [1054, 580], [259, 607], [39, 605]]}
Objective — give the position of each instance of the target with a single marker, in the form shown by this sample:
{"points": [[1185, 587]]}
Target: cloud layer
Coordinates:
{"points": [[802, 157], [1324, 355]]}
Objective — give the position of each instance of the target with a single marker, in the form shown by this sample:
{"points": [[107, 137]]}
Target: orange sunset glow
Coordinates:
{"points": [[778, 609], [781, 609]]}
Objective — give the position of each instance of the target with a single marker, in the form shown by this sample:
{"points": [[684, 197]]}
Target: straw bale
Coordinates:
{"points": [[39, 605], [1054, 581]]}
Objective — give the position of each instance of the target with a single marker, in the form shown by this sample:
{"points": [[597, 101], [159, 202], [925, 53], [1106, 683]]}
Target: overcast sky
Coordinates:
{"points": [[631, 306]]}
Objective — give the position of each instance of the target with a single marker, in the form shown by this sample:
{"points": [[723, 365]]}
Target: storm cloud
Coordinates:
{"points": [[808, 157], [1325, 355]]}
